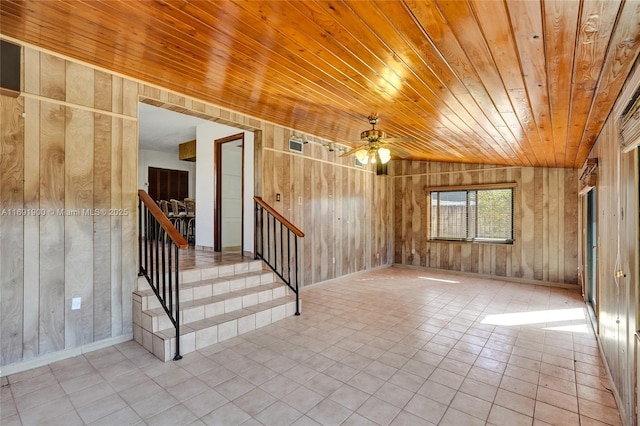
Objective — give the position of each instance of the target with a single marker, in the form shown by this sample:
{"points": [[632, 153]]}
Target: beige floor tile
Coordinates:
{"points": [[515, 402], [366, 382], [519, 386], [228, 415], [557, 399], [357, 420], [378, 411], [124, 416], [177, 415], [405, 418], [599, 412], [38, 397], [555, 383], [426, 408], [329, 412], [596, 395], [149, 407], [554, 415], [455, 417], [350, 397], [205, 402], [501, 416], [53, 408], [235, 387], [471, 405], [359, 355], [303, 399], [588, 421], [394, 394]]}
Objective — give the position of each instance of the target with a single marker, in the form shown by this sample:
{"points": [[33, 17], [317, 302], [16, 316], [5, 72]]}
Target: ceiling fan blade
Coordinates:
{"points": [[398, 151], [354, 150]]}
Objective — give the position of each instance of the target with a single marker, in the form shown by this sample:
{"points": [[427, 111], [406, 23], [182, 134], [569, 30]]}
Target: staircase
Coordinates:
{"points": [[216, 304]]}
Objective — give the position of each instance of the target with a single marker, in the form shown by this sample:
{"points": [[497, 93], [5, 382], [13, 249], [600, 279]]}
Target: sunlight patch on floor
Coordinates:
{"points": [[535, 317], [440, 280]]}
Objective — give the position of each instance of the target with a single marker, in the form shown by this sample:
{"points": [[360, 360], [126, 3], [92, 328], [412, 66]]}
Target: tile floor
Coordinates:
{"points": [[397, 346]]}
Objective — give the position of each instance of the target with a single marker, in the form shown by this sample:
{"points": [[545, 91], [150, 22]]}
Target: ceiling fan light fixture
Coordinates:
{"points": [[362, 156], [385, 155], [372, 135]]}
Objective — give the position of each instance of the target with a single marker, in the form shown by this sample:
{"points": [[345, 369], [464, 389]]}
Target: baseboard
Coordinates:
{"points": [[321, 283], [19, 367], [493, 277]]}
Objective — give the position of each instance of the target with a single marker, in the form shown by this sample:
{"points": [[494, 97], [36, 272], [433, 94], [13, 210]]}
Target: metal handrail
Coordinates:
{"points": [[159, 243], [273, 231]]}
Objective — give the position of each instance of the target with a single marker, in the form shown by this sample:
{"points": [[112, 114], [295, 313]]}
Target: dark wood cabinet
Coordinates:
{"points": [[165, 184]]}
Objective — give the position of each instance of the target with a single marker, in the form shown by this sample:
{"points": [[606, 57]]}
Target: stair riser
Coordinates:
{"points": [[193, 275], [207, 290], [164, 348], [155, 323]]}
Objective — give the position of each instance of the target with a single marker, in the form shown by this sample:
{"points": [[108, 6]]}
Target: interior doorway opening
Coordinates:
{"points": [[229, 200], [592, 253]]}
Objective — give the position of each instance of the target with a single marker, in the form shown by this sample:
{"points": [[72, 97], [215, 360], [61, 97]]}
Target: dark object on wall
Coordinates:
{"points": [[165, 184], [9, 69], [381, 169]]}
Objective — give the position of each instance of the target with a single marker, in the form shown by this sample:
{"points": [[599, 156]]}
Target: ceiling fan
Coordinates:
{"points": [[377, 146]]}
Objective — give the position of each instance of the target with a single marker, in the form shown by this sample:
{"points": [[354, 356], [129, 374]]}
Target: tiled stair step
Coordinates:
{"points": [[207, 307], [206, 288], [222, 271], [200, 334], [191, 275]]}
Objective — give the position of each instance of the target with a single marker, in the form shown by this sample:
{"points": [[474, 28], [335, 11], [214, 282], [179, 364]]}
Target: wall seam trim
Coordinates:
{"points": [[77, 106]]}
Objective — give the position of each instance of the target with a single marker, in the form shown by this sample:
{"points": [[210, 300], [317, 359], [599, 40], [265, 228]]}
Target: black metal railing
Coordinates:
{"points": [[159, 243], [276, 243]]}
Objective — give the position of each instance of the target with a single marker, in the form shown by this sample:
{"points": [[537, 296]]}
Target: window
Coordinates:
{"points": [[472, 214]]}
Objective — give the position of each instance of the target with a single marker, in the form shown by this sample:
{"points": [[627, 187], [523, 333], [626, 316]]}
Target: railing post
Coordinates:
{"points": [[255, 230], [297, 289], [177, 325], [268, 239], [140, 234], [275, 245], [289, 254]]}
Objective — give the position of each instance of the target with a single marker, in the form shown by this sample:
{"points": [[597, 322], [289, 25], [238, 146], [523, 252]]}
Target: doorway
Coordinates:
{"points": [[591, 251], [229, 205]]}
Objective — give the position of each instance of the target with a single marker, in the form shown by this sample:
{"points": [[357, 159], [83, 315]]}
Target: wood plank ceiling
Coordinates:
{"points": [[499, 82]]}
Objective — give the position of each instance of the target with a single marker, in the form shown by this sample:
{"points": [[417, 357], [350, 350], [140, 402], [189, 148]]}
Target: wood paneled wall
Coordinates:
{"points": [[545, 221], [344, 211], [617, 249], [75, 149]]}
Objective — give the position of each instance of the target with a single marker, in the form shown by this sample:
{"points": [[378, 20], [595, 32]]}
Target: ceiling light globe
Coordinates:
{"points": [[385, 155], [362, 156]]}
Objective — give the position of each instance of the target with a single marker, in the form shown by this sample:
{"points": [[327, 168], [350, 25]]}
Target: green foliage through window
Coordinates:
{"points": [[472, 215]]}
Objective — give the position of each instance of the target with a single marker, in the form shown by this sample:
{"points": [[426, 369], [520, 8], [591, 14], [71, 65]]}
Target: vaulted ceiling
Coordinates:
{"points": [[499, 82]]}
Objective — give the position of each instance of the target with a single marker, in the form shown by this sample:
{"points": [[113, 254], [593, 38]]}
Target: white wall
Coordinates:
{"points": [[206, 134], [231, 195], [163, 160]]}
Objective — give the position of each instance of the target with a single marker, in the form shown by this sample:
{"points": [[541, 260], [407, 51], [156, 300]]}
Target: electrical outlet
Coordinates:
{"points": [[75, 303], [413, 251], [334, 260], [277, 197]]}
